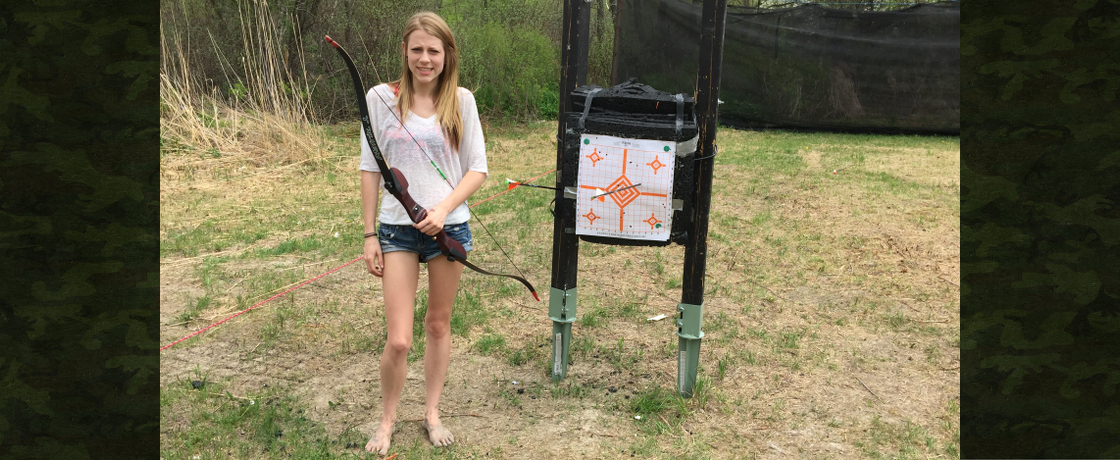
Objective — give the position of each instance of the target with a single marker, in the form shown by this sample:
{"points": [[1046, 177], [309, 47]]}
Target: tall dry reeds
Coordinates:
{"points": [[266, 117]]}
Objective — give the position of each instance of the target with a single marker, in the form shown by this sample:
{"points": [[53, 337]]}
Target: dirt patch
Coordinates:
{"points": [[813, 159]]}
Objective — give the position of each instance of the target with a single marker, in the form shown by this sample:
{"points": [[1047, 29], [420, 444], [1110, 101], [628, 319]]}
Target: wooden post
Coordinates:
{"points": [[691, 308], [565, 243]]}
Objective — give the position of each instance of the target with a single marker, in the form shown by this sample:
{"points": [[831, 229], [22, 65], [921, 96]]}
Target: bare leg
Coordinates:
{"points": [[402, 271], [443, 283]]}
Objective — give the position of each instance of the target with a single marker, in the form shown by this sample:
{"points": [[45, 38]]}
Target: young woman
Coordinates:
{"points": [[443, 120]]}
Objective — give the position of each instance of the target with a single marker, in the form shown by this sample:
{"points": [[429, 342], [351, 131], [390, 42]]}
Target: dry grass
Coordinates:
{"points": [[264, 117]]}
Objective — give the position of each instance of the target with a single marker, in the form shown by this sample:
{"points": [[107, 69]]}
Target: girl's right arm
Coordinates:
{"points": [[371, 188]]}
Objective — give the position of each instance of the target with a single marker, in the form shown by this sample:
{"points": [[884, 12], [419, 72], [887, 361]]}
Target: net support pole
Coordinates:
{"points": [[691, 309], [565, 243]]}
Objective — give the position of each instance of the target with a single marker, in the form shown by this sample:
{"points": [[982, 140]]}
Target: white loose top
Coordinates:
{"points": [[401, 152]]}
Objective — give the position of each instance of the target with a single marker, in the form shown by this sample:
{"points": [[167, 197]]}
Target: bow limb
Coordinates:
{"points": [[392, 185], [484, 272]]}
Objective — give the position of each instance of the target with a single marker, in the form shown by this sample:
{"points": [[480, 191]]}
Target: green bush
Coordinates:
{"points": [[510, 69], [510, 49], [550, 102]]}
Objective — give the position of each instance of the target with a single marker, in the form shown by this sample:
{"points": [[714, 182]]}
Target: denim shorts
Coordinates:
{"points": [[408, 238]]}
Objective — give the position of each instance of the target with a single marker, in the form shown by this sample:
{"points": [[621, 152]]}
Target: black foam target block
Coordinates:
{"points": [[635, 111]]}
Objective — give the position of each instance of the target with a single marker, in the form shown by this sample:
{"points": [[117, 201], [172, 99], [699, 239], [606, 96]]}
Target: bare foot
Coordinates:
{"points": [[379, 443], [438, 434]]}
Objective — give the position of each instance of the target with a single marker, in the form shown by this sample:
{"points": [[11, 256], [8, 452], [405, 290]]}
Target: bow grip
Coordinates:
{"points": [[449, 247], [415, 212]]}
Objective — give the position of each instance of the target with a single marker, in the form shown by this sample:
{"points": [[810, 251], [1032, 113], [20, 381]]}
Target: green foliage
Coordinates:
{"points": [[238, 91], [594, 318], [529, 352], [490, 343], [511, 69], [549, 104], [468, 312], [292, 246], [195, 308], [266, 423], [652, 401], [509, 49]]}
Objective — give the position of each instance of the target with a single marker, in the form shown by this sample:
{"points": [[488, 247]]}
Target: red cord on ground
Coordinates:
{"points": [[257, 305], [317, 277]]}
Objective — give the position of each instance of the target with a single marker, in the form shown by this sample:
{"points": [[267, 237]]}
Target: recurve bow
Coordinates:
{"points": [[397, 185]]}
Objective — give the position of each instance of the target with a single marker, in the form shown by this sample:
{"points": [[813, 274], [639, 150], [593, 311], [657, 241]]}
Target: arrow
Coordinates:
{"points": [[602, 194], [514, 184]]}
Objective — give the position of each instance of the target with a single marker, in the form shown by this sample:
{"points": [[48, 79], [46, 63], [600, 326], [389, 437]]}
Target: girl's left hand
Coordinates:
{"points": [[433, 223]]}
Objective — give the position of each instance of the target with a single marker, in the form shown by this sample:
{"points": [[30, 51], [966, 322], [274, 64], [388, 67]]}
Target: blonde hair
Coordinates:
{"points": [[447, 97]]}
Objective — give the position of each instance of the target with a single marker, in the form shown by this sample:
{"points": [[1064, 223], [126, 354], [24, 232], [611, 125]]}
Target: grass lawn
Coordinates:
{"points": [[831, 310]]}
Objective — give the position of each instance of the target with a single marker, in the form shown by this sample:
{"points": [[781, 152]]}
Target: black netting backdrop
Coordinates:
{"points": [[808, 67]]}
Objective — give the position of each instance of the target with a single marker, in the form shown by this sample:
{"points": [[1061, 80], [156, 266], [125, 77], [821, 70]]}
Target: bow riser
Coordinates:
{"points": [[417, 213]]}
